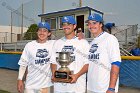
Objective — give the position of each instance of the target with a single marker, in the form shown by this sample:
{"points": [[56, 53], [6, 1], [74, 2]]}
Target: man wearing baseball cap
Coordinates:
{"points": [[35, 59], [68, 19], [104, 57], [77, 48]]}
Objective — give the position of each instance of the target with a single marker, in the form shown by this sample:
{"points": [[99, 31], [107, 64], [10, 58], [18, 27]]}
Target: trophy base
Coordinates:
{"points": [[63, 76]]}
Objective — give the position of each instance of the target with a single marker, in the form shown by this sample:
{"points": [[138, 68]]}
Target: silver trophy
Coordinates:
{"points": [[62, 74]]}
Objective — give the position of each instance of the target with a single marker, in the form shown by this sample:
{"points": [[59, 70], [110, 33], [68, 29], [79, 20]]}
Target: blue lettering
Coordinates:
{"points": [[94, 56], [42, 61]]}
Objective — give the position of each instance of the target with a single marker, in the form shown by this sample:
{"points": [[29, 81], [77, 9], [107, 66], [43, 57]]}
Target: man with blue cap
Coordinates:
{"points": [[79, 50], [104, 58], [35, 59]]}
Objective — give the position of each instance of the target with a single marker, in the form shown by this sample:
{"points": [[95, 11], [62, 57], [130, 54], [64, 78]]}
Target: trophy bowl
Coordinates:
{"points": [[62, 74]]}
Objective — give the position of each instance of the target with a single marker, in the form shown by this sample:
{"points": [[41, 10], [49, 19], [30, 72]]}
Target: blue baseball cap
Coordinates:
{"points": [[44, 25], [95, 17], [68, 19]]}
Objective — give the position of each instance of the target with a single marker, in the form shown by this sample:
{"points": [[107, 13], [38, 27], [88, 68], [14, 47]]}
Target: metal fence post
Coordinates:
{"points": [[1, 46], [15, 46]]}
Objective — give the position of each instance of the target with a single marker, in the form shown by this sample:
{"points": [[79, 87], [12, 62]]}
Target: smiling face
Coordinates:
{"points": [[43, 34], [68, 28], [95, 27]]}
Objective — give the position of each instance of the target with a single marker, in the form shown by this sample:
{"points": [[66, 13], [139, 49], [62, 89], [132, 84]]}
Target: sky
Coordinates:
{"points": [[121, 12]]}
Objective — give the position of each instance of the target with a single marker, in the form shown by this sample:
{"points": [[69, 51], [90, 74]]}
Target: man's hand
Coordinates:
{"points": [[74, 78], [53, 78], [20, 86], [80, 35], [53, 69], [81, 72]]}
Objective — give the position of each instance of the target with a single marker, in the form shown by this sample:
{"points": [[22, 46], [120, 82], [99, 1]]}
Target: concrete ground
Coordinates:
{"points": [[8, 81]]}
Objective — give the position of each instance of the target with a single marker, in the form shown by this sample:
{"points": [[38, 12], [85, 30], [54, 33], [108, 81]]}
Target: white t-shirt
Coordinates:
{"points": [[36, 56], [104, 50], [79, 50]]}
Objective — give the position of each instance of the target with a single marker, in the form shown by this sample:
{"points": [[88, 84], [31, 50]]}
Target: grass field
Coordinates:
{"points": [[3, 91]]}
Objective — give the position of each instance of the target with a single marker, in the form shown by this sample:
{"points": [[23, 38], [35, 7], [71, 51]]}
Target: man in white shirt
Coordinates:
{"points": [[104, 57], [79, 50], [36, 60]]}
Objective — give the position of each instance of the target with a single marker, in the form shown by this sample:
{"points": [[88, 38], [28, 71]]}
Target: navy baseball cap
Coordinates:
{"points": [[44, 25], [95, 17], [68, 19]]}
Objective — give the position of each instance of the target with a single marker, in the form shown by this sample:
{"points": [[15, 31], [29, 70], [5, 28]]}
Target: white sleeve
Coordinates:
{"points": [[85, 53], [53, 56], [21, 73], [24, 59], [114, 51]]}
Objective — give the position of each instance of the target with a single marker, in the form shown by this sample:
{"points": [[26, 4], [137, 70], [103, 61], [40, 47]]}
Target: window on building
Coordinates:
{"points": [[53, 23], [48, 20], [60, 22]]}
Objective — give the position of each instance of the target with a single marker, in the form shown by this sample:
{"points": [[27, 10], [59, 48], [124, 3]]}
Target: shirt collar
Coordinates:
{"points": [[64, 38], [100, 34]]}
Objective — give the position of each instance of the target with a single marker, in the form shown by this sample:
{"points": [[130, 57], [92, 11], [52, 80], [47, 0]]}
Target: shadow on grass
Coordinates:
{"points": [[3, 91]]}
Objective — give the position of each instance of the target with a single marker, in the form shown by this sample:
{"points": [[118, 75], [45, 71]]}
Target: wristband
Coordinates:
{"points": [[117, 63], [111, 89]]}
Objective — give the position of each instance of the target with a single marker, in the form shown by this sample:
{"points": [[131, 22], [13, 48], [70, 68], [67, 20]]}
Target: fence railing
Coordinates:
{"points": [[16, 46], [19, 46]]}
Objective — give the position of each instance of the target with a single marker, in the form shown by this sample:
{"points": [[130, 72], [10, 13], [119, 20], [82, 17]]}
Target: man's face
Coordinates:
{"points": [[68, 28], [43, 34], [94, 27]]}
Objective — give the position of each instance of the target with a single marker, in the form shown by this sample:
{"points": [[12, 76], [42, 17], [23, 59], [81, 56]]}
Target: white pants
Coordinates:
{"points": [[67, 92], [88, 91], [92, 92], [43, 90]]}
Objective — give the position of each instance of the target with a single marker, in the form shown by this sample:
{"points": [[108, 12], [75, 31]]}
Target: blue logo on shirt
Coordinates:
{"points": [[68, 49], [93, 48], [42, 54], [93, 55]]}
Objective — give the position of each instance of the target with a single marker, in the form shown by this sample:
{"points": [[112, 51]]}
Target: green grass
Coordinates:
{"points": [[3, 91]]}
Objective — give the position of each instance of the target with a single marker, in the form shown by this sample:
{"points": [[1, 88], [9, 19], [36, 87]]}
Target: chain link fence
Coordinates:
{"points": [[126, 35]]}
